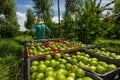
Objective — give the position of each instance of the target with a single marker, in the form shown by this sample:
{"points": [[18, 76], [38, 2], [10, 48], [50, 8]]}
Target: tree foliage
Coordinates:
{"points": [[29, 23], [83, 21], [8, 31], [117, 6], [8, 19], [7, 8], [44, 9]]}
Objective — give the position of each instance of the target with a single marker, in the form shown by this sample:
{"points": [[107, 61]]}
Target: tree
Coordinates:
{"points": [[91, 27], [8, 10], [71, 7], [69, 25], [29, 23], [115, 34], [117, 6], [84, 19], [44, 9]]}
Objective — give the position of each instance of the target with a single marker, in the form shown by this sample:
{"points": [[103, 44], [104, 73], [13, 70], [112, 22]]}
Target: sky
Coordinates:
{"points": [[23, 5]]}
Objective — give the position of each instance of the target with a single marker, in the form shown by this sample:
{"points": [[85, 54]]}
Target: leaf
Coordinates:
{"points": [[92, 32]]}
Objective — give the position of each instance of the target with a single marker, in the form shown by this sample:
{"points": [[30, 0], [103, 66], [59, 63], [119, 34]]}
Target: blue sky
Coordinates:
{"points": [[23, 5]]}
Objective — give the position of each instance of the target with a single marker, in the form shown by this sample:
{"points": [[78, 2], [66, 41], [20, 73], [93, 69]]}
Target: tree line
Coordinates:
{"points": [[82, 21]]}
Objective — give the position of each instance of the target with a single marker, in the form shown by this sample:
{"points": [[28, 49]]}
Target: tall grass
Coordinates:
{"points": [[23, 38], [11, 51], [11, 64], [9, 46], [4, 75], [10, 54]]}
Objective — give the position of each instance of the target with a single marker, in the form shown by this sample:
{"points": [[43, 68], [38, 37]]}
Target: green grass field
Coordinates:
{"points": [[11, 51]]}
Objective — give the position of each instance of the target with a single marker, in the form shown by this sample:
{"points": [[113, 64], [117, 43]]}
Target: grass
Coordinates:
{"points": [[21, 39], [11, 51]]}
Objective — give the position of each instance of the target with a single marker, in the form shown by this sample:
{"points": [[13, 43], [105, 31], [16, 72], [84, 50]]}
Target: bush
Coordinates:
{"points": [[8, 31]]}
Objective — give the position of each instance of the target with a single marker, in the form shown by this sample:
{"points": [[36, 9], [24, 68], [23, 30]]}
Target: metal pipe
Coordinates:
{"points": [[59, 16]]}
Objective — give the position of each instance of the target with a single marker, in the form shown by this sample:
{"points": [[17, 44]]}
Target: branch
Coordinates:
{"points": [[108, 4], [99, 4], [107, 9]]}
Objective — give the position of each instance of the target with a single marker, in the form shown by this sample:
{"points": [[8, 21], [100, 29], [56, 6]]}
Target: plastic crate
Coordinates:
{"points": [[60, 46], [111, 75], [99, 47], [45, 43], [105, 58], [40, 43], [93, 76]]}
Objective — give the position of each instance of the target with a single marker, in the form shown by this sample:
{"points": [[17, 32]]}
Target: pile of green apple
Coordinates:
{"points": [[103, 52], [37, 48], [59, 45], [93, 64], [56, 68], [75, 43], [33, 43]]}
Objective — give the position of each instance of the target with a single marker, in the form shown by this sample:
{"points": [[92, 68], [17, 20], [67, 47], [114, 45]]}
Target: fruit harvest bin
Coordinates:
{"points": [[107, 55], [60, 45], [88, 60], [60, 66], [100, 47], [40, 46]]}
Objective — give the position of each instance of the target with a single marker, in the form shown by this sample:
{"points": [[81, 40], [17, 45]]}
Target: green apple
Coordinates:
{"points": [[93, 68], [63, 61], [35, 63], [53, 63], [61, 66], [70, 78], [33, 69], [94, 63], [72, 75], [42, 68], [49, 73], [48, 57], [87, 78], [33, 76], [49, 69], [57, 56], [40, 76], [100, 69], [111, 67], [60, 77], [47, 62], [80, 73], [50, 78], [68, 66]]}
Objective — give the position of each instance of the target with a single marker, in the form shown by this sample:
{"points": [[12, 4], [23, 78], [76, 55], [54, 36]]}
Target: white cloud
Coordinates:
{"points": [[28, 6], [104, 2], [55, 19], [21, 17]]}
